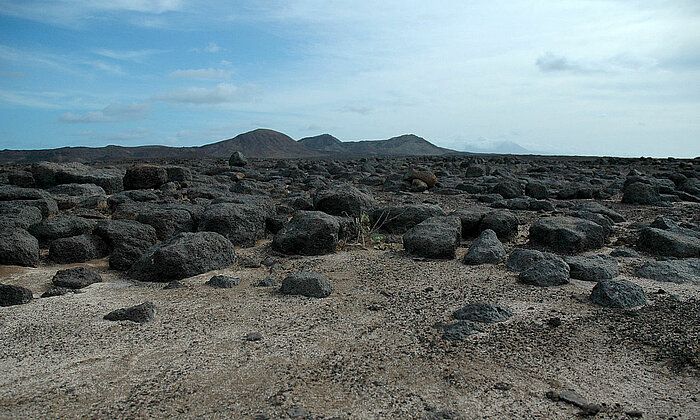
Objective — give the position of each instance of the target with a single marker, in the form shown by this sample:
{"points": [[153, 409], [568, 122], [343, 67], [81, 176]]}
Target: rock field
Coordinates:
{"points": [[451, 287]]}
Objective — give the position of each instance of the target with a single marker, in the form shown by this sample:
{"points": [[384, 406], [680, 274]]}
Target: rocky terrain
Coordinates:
{"points": [[447, 287]]}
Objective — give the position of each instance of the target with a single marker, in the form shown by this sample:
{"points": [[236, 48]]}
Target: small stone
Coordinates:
{"points": [[175, 284], [502, 386], [296, 412], [483, 312], [254, 336], [140, 313], [267, 282], [307, 284], [460, 330], [57, 291], [554, 322], [223, 282]]}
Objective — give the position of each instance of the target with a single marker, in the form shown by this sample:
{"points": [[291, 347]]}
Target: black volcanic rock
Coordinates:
{"points": [[18, 247], [128, 239], [566, 234], [48, 174], [308, 233], [143, 177], [343, 199], [483, 312], [618, 294], [61, 227], [76, 278], [399, 219], [237, 159], [168, 220], [435, 237], [14, 295], [76, 249], [486, 249], [242, 222], [307, 284], [641, 193], [670, 243], [185, 255], [546, 272], [18, 215], [140, 313]]}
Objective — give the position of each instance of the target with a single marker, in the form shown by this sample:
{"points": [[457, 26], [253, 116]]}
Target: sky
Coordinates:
{"points": [[582, 77]]}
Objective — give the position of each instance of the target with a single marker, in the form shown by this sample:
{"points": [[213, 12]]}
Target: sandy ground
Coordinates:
{"points": [[373, 349]]}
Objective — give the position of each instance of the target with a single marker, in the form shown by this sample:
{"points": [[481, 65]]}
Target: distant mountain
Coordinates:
{"points": [[501, 148], [406, 145], [324, 143], [260, 143]]}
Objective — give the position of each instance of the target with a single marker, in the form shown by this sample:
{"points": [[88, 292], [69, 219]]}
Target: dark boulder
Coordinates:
{"points": [[460, 330], [399, 219], [127, 239], [242, 223], [18, 247], [185, 255], [502, 222], [16, 196], [567, 234], [140, 313], [343, 200], [674, 271], [76, 249], [23, 179], [522, 258], [76, 277], [483, 312], [14, 295], [18, 215], [238, 159], [508, 189], [61, 227], [143, 177], [618, 294], [435, 237], [669, 243], [308, 233], [168, 221], [536, 190], [486, 249], [592, 268], [428, 178], [48, 174], [595, 207], [546, 272], [640, 193], [58, 291], [307, 284]]}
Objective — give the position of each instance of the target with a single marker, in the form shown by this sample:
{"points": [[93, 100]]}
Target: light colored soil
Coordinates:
{"points": [[373, 349]]}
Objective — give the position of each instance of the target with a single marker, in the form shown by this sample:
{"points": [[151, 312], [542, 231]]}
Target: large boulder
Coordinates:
{"points": [[640, 193], [669, 243], [29, 197], [307, 284], [502, 222], [143, 177], [168, 221], [61, 227], [593, 267], [18, 215], [238, 159], [76, 278], [595, 207], [343, 200], [399, 219], [675, 271], [185, 255], [508, 189], [567, 234], [308, 233], [435, 237], [522, 258], [18, 247], [14, 295], [48, 174], [546, 272], [127, 239], [618, 294], [241, 223], [76, 249], [486, 249]]}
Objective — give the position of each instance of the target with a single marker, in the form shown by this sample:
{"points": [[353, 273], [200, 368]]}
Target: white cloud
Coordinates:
{"points": [[67, 12], [111, 113], [219, 94], [127, 55], [212, 48], [550, 62], [208, 74]]}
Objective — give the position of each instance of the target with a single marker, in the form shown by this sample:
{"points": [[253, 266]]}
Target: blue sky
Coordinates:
{"points": [[599, 77]]}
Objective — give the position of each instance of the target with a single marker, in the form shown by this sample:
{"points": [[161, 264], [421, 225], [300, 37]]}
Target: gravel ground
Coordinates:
{"points": [[373, 349]]}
